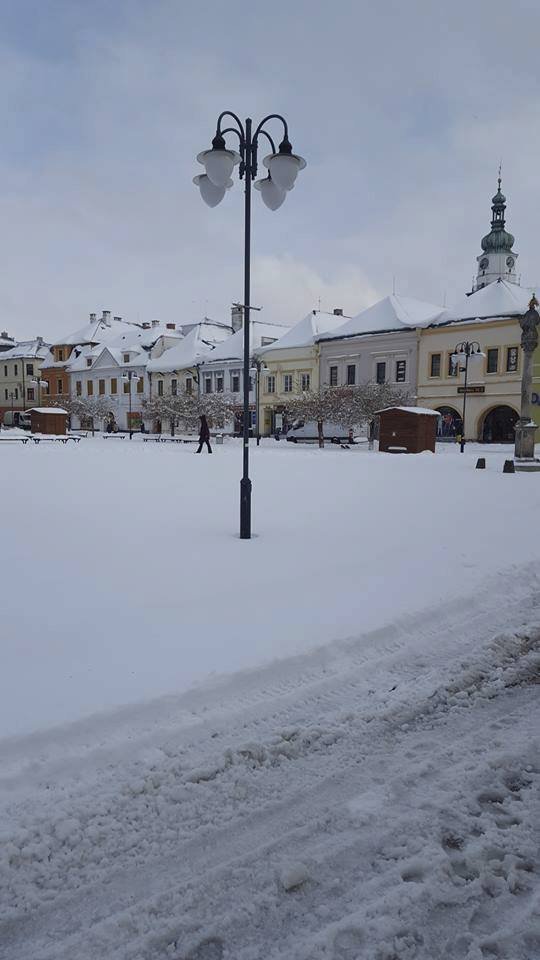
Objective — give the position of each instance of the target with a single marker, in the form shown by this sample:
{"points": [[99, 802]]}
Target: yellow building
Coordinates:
{"points": [[291, 365], [490, 318]]}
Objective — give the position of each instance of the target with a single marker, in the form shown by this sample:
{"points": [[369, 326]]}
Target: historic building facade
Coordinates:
{"points": [[489, 317], [20, 375]]}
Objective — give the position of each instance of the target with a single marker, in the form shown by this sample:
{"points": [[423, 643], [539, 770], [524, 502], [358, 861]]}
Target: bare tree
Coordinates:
{"points": [[347, 406], [186, 409]]}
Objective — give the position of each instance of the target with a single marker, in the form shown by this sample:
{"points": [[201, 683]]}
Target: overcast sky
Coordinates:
{"points": [[402, 110]]}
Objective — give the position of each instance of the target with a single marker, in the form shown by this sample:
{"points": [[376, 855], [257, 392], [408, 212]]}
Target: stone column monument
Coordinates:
{"points": [[526, 427]]}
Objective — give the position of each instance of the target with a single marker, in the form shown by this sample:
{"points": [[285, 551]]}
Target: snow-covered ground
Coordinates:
{"points": [[360, 777]]}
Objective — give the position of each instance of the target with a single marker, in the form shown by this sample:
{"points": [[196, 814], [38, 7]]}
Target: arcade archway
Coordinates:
{"points": [[499, 424], [448, 424]]}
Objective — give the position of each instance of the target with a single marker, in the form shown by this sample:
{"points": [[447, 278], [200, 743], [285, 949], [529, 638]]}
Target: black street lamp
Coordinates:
{"points": [[130, 375], [464, 350], [283, 166]]}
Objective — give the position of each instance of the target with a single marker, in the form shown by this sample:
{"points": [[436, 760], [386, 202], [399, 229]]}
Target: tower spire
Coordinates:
{"points": [[498, 260]]}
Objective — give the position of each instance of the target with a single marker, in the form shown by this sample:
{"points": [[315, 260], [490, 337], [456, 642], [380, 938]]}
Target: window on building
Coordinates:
{"points": [[30, 393], [5, 370], [512, 359], [271, 384], [60, 354], [306, 380], [114, 386], [16, 397], [174, 387], [90, 388], [59, 387], [208, 384], [401, 371], [6, 394], [189, 385], [219, 383], [381, 371], [16, 370], [89, 361], [127, 385], [78, 388], [30, 369], [287, 383], [235, 383], [435, 365], [333, 376], [452, 368], [126, 358], [160, 388], [492, 363], [45, 386], [101, 388], [140, 385], [351, 374]]}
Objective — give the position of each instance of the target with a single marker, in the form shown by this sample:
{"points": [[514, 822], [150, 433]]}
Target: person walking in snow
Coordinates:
{"points": [[204, 435]]}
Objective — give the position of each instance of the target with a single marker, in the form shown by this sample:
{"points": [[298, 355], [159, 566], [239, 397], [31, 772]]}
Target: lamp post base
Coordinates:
{"points": [[245, 508], [525, 437]]}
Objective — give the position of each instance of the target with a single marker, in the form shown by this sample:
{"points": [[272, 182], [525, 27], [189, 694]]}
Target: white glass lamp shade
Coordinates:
{"points": [[211, 194], [284, 168], [219, 164], [272, 195]]}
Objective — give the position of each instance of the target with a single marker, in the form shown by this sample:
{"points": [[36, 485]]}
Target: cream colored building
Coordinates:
{"points": [[20, 375], [291, 365], [490, 318]]}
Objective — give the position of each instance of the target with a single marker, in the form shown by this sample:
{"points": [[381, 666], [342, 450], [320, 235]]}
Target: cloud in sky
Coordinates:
{"points": [[403, 112]]}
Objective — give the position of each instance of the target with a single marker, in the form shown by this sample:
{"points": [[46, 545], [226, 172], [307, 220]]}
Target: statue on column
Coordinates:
{"points": [[525, 427]]}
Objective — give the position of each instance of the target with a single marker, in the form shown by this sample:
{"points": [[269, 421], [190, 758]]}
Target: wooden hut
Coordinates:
{"points": [[49, 420], [407, 429]]}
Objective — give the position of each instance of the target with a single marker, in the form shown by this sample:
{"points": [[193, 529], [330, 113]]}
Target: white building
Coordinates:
{"points": [[178, 369], [112, 379], [223, 372], [20, 373], [378, 345]]}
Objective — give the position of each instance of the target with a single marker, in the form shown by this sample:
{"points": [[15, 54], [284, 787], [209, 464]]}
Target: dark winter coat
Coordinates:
{"points": [[204, 434]]}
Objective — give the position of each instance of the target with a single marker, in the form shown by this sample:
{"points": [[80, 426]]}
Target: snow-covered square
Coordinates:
{"points": [[320, 743]]}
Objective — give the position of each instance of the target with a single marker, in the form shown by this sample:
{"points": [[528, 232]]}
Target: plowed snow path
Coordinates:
{"points": [[375, 799]]}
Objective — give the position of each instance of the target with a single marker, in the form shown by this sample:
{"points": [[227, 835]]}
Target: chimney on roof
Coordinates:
{"points": [[338, 312], [117, 318], [106, 318], [237, 316], [92, 317], [4, 334], [155, 323], [39, 341], [171, 326], [146, 325]]}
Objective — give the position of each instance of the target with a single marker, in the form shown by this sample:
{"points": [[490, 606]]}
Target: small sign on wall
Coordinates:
{"points": [[478, 389]]}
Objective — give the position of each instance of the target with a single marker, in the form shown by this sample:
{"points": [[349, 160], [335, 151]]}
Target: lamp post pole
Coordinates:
{"points": [[283, 166], [465, 349], [129, 376]]}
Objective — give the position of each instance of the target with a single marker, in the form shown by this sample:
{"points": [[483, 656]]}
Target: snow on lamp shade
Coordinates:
{"points": [[211, 194], [284, 168], [271, 194], [219, 165]]}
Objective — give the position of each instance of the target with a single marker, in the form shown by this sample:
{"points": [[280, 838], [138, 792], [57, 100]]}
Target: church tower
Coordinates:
{"points": [[498, 260]]}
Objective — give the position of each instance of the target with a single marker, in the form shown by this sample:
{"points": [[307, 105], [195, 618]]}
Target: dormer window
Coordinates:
{"points": [[126, 358], [60, 354], [89, 361]]}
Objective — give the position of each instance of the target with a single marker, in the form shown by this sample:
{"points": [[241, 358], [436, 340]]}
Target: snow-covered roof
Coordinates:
{"points": [[96, 331], [48, 410], [26, 350], [419, 410], [233, 347], [193, 349], [497, 299], [392, 313], [306, 331], [6, 340]]}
